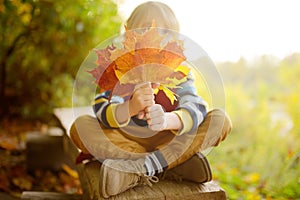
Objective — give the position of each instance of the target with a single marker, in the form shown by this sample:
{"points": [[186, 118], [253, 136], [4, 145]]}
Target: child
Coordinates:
{"points": [[146, 136]]}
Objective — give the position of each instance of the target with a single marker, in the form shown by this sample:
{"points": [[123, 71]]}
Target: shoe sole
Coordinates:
{"points": [[206, 166], [103, 175]]}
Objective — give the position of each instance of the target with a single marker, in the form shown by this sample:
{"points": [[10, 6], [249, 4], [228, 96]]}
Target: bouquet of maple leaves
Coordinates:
{"points": [[142, 57]]}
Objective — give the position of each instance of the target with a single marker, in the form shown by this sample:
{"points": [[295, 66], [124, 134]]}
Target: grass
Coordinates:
{"points": [[258, 160]]}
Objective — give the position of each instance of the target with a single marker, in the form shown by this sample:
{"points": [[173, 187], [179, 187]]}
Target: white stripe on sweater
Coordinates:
{"points": [[149, 166], [157, 163]]}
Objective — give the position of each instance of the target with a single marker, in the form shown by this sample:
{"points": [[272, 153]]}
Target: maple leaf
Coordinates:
{"points": [[169, 93], [125, 62], [172, 54], [70, 171], [24, 183], [130, 40], [150, 39], [142, 57], [108, 79], [104, 68], [183, 69]]}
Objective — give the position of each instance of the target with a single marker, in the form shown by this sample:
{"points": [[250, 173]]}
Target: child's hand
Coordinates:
{"points": [[156, 117], [142, 98]]}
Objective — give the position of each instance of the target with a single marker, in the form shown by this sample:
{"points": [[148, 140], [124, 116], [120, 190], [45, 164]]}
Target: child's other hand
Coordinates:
{"points": [[142, 97], [156, 117]]}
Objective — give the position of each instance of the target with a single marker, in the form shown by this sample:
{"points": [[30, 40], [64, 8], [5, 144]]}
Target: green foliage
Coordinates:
{"points": [[42, 46], [261, 157]]}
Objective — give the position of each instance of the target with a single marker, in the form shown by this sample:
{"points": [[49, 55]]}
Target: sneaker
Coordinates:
{"points": [[195, 169], [117, 176]]}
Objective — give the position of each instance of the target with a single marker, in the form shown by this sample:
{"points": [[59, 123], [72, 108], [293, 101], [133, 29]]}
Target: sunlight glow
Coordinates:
{"points": [[228, 30]]}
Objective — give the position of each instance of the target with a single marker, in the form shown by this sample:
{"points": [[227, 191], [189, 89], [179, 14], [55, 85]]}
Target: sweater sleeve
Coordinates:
{"points": [[191, 104], [105, 110], [186, 120]]}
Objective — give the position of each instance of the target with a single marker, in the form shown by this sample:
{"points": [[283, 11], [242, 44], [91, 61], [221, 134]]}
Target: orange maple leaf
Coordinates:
{"points": [[146, 56]]}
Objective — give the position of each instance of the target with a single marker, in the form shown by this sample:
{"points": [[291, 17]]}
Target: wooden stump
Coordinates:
{"points": [[44, 151], [163, 190], [32, 195]]}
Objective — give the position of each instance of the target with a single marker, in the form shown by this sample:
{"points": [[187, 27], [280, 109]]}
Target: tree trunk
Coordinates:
{"points": [[3, 78], [3, 66]]}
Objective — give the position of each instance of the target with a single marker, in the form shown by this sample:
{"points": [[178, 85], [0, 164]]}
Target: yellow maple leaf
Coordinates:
{"points": [[183, 69]]}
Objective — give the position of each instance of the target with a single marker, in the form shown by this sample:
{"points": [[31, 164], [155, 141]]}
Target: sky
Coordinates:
{"points": [[230, 29]]}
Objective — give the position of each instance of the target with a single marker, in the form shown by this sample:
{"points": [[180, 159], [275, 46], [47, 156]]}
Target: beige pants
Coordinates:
{"points": [[91, 137]]}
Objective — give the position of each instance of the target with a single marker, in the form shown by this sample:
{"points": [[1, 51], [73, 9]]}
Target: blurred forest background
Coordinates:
{"points": [[43, 43]]}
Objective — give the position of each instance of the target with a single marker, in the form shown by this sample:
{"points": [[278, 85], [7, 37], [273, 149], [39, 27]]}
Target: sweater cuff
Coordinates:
{"points": [[111, 117], [186, 119]]}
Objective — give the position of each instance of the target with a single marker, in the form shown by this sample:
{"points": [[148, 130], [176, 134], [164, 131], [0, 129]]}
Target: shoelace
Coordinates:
{"points": [[148, 180]]}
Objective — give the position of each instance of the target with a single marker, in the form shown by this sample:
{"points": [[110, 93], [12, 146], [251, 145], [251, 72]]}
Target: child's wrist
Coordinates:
{"points": [[173, 121], [131, 108], [122, 112]]}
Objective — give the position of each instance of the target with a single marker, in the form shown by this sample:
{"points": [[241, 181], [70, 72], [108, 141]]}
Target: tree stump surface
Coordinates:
{"points": [[33, 195], [89, 174]]}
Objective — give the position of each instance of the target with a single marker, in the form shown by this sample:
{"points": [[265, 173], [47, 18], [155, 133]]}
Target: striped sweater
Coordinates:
{"points": [[190, 108]]}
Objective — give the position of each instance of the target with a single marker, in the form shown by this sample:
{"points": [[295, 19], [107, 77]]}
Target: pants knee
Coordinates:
{"points": [[222, 116], [74, 134]]}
